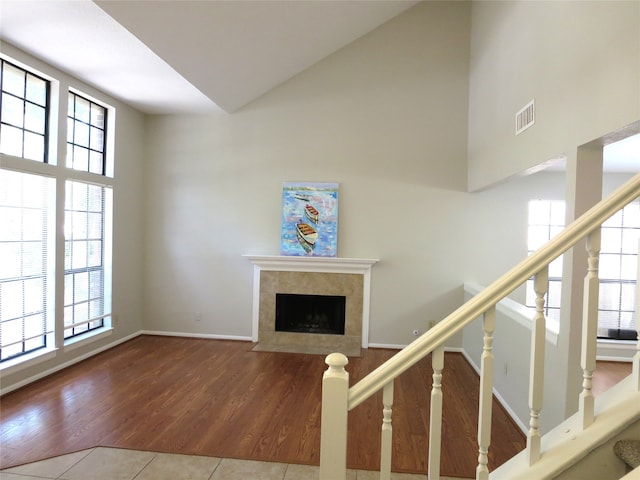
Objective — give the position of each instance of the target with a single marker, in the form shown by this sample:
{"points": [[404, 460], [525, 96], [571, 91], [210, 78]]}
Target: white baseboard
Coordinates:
{"points": [[197, 335], [69, 363], [392, 346], [502, 401], [386, 345]]}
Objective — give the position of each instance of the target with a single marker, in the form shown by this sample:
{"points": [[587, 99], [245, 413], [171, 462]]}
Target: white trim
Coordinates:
{"points": [[86, 338], [454, 350], [386, 345], [283, 263], [64, 365], [196, 335], [12, 366], [279, 263], [615, 350], [609, 358], [400, 347]]}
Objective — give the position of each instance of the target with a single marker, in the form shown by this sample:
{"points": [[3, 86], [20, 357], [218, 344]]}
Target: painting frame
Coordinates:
{"points": [[309, 219]]}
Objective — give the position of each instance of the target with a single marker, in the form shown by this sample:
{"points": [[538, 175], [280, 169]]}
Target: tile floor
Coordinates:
{"points": [[102, 463]]}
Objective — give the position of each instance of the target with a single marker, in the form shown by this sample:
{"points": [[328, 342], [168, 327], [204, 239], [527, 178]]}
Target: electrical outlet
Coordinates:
{"points": [[198, 317], [416, 333]]}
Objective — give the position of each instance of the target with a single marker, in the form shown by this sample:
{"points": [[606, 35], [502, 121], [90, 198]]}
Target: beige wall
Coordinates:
{"points": [[579, 60], [385, 117]]}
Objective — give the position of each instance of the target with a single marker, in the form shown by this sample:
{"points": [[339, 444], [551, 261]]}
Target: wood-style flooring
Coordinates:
{"points": [[607, 374], [220, 398]]}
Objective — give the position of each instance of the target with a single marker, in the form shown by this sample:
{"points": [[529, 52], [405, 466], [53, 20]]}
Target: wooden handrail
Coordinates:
{"points": [[499, 289]]}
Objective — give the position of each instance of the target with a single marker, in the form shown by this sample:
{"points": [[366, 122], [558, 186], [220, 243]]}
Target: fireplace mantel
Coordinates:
{"points": [[312, 264], [358, 266]]}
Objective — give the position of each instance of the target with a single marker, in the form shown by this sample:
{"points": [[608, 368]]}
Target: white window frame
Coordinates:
{"points": [[56, 168], [552, 305]]}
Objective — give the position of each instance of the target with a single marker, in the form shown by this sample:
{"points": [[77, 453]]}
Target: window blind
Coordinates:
{"points": [[27, 204], [84, 272]]}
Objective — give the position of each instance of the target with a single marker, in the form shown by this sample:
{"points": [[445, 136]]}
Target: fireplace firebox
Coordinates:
{"points": [[310, 313]]}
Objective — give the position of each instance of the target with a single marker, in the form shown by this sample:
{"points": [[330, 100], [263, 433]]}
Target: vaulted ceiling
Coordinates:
{"points": [[175, 56], [179, 55]]}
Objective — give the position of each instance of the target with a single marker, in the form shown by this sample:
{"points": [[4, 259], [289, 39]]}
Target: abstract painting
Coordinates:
{"points": [[309, 219]]}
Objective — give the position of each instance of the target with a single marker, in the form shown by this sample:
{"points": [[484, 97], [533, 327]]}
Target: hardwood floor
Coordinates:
{"points": [[219, 398], [607, 374]]}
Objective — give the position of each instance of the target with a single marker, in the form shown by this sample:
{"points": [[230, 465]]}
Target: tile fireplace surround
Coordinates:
{"points": [[350, 277]]}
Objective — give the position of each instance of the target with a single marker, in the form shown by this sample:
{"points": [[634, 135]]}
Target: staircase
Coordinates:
{"points": [[628, 450], [568, 451]]}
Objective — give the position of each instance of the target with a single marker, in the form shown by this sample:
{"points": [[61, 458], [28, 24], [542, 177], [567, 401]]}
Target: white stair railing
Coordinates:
{"points": [[338, 399]]}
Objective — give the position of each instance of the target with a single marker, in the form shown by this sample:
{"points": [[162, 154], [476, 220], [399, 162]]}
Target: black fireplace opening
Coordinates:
{"points": [[310, 313]]}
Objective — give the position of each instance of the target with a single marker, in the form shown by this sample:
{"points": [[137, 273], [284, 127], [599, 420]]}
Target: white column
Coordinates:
{"points": [[583, 190]]}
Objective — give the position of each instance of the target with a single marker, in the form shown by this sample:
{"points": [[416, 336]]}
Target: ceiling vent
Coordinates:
{"points": [[525, 117]]}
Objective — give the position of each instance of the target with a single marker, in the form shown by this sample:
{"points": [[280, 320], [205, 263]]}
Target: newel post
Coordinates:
{"points": [[333, 426]]}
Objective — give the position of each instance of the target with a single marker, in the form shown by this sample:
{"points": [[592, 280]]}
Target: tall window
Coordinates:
{"points": [[85, 209], [26, 263], [617, 265], [84, 257], [618, 271], [30, 196]]}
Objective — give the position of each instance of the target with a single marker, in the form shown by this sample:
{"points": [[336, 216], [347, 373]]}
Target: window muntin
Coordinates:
{"points": [[24, 111], [86, 135], [27, 204]]}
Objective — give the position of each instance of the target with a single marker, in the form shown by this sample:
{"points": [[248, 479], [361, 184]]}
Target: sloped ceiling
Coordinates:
{"points": [[213, 56], [173, 56]]}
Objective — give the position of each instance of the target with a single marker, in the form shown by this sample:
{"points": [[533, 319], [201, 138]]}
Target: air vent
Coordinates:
{"points": [[525, 117]]}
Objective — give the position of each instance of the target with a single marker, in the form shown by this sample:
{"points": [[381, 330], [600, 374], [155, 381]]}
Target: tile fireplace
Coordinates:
{"points": [[304, 277]]}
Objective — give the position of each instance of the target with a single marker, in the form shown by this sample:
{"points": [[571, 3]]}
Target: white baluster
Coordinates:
{"points": [[386, 434], [486, 395], [333, 424], [536, 368], [589, 328], [636, 357], [435, 414]]}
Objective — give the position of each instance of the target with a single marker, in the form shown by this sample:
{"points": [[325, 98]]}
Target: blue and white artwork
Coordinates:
{"points": [[309, 219]]}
